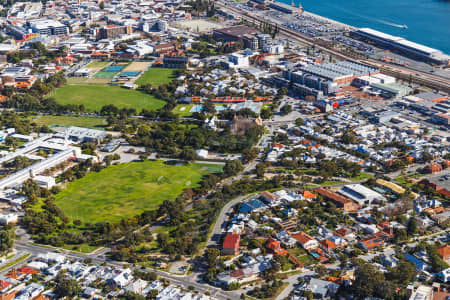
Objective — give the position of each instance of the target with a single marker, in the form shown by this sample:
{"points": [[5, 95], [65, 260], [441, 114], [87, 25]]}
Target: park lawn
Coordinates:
{"points": [[126, 190], [94, 97], [83, 248], [69, 121], [183, 110], [361, 176], [157, 76]]}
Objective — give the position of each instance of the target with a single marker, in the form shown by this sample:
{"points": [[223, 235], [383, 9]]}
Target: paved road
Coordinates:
{"points": [[417, 76], [184, 281], [219, 225], [293, 281]]}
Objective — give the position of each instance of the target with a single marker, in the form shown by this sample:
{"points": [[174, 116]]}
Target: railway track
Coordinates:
{"points": [[406, 74]]}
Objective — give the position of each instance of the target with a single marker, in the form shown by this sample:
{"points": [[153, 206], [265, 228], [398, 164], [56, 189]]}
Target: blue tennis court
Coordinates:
{"points": [[114, 69], [130, 74]]}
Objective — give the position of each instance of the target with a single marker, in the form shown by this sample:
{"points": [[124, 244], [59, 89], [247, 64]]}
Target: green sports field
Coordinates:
{"points": [[94, 97], [128, 189], [157, 76], [69, 121]]}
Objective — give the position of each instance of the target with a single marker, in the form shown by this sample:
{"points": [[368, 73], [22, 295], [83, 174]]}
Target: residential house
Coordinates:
{"points": [[252, 206], [420, 265], [136, 286], [371, 243], [320, 289], [444, 253], [286, 239], [306, 241], [230, 244], [275, 247], [328, 245], [444, 276], [345, 233]]}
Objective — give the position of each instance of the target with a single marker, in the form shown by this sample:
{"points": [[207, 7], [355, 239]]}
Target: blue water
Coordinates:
{"points": [[428, 21]]}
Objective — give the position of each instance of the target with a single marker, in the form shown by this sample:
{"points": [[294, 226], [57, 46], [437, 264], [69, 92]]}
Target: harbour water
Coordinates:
{"points": [[427, 21]]}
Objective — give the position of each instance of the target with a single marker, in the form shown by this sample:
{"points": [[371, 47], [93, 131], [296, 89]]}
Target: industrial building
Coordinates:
{"points": [[287, 9], [391, 89], [234, 33], [377, 78], [441, 118], [401, 45], [323, 79], [343, 72], [83, 135], [48, 27], [385, 116], [58, 146], [361, 194]]}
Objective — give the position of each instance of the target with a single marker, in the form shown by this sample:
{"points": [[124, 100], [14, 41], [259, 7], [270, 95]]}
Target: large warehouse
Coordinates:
{"points": [[401, 45]]}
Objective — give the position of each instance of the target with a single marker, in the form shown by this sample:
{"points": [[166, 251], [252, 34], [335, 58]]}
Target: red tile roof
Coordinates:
{"points": [[444, 252], [275, 247], [302, 237], [4, 284], [231, 240]]}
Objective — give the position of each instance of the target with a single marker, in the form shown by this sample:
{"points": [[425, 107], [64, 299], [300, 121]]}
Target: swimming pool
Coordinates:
{"points": [[199, 108]]}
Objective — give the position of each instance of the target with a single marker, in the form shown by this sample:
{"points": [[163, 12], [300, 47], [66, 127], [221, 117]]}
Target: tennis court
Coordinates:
{"points": [[113, 69], [130, 74]]}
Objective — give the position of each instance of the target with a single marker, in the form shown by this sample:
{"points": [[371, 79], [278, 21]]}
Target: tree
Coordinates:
{"points": [[266, 113], [163, 240], [188, 154], [412, 226], [286, 109], [260, 170], [299, 122], [232, 167], [152, 294], [249, 154], [209, 107], [6, 242], [367, 280], [66, 287], [348, 138], [211, 255], [426, 156], [403, 274]]}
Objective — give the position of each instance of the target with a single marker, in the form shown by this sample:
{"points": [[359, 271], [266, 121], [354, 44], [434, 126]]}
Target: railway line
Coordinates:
{"points": [[403, 73]]}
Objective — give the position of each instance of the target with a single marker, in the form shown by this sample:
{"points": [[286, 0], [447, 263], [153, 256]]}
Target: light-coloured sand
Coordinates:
{"points": [[137, 66]]}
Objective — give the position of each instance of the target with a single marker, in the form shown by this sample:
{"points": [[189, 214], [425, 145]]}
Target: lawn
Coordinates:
{"points": [[69, 121], [183, 110], [126, 190], [94, 97], [76, 80], [97, 64], [157, 76], [105, 74]]}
